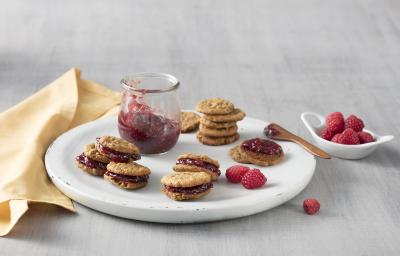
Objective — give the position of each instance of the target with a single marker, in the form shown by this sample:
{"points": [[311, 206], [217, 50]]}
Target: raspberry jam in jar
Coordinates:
{"points": [[150, 112]]}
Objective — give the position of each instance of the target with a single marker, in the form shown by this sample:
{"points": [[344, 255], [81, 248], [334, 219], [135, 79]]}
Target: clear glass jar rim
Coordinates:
{"points": [[175, 82]]}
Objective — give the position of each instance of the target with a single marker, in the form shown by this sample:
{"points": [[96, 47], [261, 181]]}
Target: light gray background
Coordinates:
{"points": [[273, 58]]}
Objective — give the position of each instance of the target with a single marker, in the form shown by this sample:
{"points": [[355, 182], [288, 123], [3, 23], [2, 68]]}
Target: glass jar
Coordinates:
{"points": [[150, 112]]}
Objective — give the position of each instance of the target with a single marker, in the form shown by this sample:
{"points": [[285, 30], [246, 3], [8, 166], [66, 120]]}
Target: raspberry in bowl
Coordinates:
{"points": [[342, 137]]}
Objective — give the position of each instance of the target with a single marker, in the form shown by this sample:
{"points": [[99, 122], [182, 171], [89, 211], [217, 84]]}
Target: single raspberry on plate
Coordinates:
{"points": [[327, 133], [311, 206], [235, 173], [336, 138], [253, 179], [354, 123], [365, 137], [349, 137], [335, 122]]}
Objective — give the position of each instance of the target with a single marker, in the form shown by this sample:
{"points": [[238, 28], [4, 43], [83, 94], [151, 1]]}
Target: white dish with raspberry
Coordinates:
{"points": [[226, 200], [340, 150]]}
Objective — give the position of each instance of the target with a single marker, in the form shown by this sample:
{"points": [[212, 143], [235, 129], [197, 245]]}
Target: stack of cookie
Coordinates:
{"points": [[113, 158], [218, 124]]}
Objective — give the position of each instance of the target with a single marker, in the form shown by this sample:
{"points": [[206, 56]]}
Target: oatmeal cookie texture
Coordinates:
{"points": [[189, 121], [215, 141], [215, 106], [117, 144], [197, 163]]}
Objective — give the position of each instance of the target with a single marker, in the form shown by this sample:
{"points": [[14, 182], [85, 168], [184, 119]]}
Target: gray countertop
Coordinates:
{"points": [[274, 59]]}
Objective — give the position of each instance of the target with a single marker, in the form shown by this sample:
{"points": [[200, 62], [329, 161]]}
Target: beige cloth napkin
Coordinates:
{"points": [[27, 129]]}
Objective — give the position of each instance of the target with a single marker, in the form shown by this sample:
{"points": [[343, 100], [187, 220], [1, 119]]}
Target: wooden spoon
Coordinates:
{"points": [[277, 132]]}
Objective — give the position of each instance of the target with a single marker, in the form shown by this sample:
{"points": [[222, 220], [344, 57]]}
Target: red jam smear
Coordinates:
{"points": [[116, 156], [262, 146], [127, 178], [150, 132], [83, 159], [189, 190], [270, 131], [199, 163]]}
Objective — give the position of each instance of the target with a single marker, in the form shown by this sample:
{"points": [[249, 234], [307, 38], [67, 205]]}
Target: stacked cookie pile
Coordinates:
{"points": [[218, 124], [113, 158]]}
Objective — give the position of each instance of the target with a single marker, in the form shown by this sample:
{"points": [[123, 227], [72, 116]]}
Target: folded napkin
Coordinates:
{"points": [[27, 129]]}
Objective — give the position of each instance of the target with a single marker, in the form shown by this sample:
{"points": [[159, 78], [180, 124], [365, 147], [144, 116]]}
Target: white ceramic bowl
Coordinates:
{"points": [[340, 150]]}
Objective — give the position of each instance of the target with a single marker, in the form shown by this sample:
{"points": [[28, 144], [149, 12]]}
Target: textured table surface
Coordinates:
{"points": [[274, 59]]}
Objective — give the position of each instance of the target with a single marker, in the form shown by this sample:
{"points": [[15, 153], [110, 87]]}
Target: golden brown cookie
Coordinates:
{"points": [[261, 151], [117, 144], [221, 132], [215, 106], [116, 149], [234, 116], [214, 125], [91, 152], [185, 179], [206, 140], [197, 163], [90, 170], [189, 121], [186, 185], [236, 154], [127, 175]]}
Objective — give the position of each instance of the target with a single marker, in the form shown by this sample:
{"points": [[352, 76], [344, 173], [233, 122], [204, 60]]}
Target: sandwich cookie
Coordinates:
{"points": [[91, 161], [197, 163], [186, 185], [118, 150], [127, 175]]}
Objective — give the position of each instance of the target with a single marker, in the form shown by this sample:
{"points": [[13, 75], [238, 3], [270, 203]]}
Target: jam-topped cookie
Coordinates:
{"points": [[127, 175], [259, 151], [91, 161], [118, 150], [215, 106], [186, 185], [197, 163], [189, 121]]}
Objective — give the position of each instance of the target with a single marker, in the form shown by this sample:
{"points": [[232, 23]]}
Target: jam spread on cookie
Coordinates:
{"points": [[199, 163], [127, 178], [83, 159], [189, 190], [262, 146], [117, 156], [152, 133]]}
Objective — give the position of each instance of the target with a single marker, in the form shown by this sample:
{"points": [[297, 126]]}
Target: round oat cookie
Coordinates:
{"points": [[215, 106], [118, 144], [222, 132], [236, 154], [210, 141], [91, 152], [203, 158], [91, 171], [234, 116], [185, 179], [182, 196], [262, 159], [189, 121], [193, 168], [125, 184], [129, 169], [214, 125]]}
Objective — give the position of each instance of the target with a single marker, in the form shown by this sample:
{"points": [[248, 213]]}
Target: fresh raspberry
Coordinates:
{"points": [[235, 173], [354, 123], [365, 137], [253, 179], [335, 122], [349, 137], [327, 133], [336, 138], [311, 206]]}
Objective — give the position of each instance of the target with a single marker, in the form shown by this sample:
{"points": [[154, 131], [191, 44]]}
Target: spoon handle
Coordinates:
{"points": [[310, 147]]}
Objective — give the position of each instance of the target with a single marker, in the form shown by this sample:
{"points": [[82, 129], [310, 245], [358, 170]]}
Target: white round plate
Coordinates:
{"points": [[226, 200]]}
